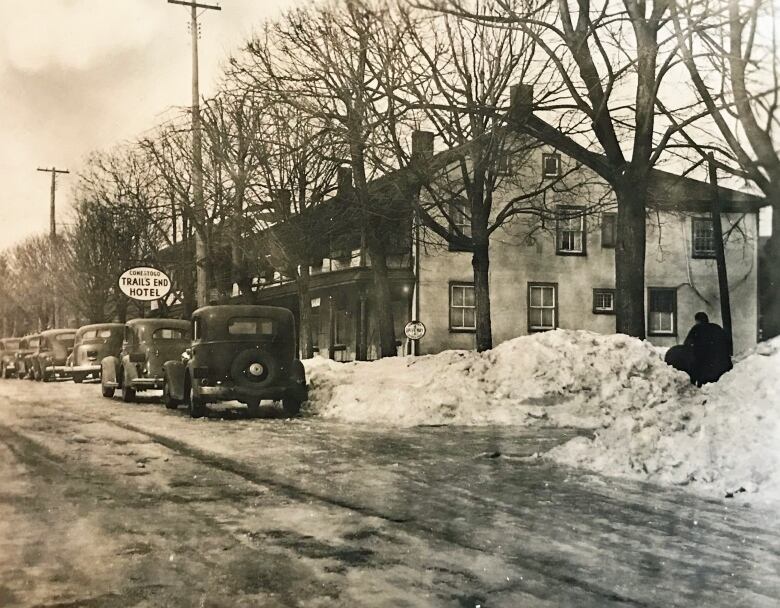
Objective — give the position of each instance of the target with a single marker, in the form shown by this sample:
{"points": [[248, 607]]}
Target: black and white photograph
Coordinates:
{"points": [[390, 303]]}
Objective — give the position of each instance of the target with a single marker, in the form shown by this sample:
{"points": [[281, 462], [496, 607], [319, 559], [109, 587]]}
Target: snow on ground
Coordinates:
{"points": [[649, 422]]}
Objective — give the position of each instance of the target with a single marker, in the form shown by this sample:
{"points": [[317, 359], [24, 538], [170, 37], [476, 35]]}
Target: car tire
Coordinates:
{"points": [[168, 401], [195, 406], [46, 377], [78, 378], [3, 371], [36, 373], [291, 406], [128, 394], [108, 391], [253, 407]]}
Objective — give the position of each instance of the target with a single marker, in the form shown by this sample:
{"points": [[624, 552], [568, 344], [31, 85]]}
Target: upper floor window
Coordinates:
{"points": [[703, 238], [460, 222], [570, 231], [463, 307], [551, 165], [608, 230], [661, 311]]}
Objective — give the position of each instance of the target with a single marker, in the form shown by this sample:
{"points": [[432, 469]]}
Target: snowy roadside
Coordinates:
{"points": [[649, 422]]}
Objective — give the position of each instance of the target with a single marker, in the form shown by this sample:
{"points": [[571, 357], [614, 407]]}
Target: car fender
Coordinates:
{"points": [[129, 370], [298, 372], [108, 367], [175, 372]]}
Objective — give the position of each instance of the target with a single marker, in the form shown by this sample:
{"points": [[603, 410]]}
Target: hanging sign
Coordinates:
{"points": [[144, 283], [414, 330]]}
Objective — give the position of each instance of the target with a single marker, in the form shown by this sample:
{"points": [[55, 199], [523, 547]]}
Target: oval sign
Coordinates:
{"points": [[414, 330], [144, 283]]}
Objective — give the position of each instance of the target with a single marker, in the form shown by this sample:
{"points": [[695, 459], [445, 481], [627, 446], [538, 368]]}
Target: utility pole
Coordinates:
{"points": [[53, 234], [52, 222], [720, 253], [201, 253]]}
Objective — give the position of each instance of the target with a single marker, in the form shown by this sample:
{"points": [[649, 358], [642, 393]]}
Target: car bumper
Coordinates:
{"points": [[143, 384], [240, 393], [59, 370], [86, 369]]}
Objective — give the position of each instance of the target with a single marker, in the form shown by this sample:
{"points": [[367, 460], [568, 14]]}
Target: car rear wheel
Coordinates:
{"points": [[108, 391], [3, 371], [128, 394], [36, 373], [78, 378], [291, 406], [195, 405], [169, 401]]}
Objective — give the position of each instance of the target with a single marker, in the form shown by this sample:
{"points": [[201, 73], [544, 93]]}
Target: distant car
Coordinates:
{"points": [[49, 361], [28, 346], [239, 352], [8, 349], [147, 344], [93, 344]]}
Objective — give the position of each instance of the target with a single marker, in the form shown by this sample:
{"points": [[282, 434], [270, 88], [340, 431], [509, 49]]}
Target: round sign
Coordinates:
{"points": [[144, 283], [414, 330]]}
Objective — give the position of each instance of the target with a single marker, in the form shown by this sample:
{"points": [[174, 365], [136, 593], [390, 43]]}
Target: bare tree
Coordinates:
{"points": [[730, 50]]}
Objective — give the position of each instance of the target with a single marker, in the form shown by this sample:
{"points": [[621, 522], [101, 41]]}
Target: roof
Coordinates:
{"points": [[84, 328], [242, 310], [57, 332], [155, 322]]}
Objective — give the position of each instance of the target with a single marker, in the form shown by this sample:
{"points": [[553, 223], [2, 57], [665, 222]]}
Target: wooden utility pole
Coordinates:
{"points": [[720, 253], [201, 252], [53, 233], [52, 222]]}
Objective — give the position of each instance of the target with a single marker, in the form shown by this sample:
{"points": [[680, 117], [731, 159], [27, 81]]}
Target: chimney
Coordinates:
{"points": [[344, 182], [521, 104], [422, 145], [282, 200]]}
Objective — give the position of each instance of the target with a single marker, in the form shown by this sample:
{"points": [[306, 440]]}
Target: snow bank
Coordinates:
{"points": [[649, 422], [567, 378], [722, 439]]}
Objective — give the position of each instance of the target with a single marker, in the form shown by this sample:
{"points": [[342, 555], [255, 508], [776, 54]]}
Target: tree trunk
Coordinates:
{"points": [[480, 262], [306, 345], [382, 300], [630, 258]]}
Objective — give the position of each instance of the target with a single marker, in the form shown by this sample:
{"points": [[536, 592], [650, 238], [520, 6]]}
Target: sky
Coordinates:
{"points": [[84, 75]]}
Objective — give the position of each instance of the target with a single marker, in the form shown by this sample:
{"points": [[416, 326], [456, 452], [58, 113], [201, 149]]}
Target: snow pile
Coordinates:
{"points": [[566, 378], [724, 438]]}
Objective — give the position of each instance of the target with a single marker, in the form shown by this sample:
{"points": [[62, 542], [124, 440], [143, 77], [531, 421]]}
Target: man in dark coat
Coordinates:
{"points": [[712, 350]]}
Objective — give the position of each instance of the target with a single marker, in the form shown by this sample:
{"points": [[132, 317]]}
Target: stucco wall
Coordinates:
{"points": [[668, 264]]}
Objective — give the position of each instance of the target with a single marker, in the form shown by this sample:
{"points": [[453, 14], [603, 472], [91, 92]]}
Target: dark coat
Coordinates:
{"points": [[711, 352]]}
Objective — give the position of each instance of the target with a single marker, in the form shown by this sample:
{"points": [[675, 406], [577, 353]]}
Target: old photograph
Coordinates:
{"points": [[390, 303]]}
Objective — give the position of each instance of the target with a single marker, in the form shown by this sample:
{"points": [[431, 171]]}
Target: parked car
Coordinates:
{"points": [[93, 344], [49, 361], [239, 352], [8, 349], [28, 346], [147, 344]]}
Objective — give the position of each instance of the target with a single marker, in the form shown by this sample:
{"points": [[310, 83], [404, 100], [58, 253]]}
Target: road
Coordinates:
{"points": [[111, 504]]}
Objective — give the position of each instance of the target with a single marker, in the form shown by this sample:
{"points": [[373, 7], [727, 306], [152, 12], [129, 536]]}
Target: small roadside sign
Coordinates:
{"points": [[414, 330], [144, 283]]}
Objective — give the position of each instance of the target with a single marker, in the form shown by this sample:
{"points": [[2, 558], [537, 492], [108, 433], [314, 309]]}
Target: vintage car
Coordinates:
{"points": [[93, 344], [8, 349], [28, 346], [147, 344], [239, 352], [54, 347]]}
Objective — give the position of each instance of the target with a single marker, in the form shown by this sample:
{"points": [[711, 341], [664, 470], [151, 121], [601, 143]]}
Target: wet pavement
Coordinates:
{"points": [[110, 504]]}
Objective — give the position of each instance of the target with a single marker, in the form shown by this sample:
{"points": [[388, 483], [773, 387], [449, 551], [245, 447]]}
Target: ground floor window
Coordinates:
{"points": [[604, 301], [661, 311], [463, 308], [542, 306]]}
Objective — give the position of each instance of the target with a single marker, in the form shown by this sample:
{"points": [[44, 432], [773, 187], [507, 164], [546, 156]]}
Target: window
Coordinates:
{"points": [[66, 339], [661, 311], [463, 308], [608, 230], [570, 231], [542, 306], [603, 301], [551, 165], [247, 326], [169, 333], [703, 238], [460, 222], [504, 163]]}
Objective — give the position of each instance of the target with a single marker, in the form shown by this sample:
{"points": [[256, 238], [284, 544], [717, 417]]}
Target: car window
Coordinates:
{"points": [[66, 339], [12, 344], [103, 333], [33, 342], [169, 333], [89, 334], [248, 326]]}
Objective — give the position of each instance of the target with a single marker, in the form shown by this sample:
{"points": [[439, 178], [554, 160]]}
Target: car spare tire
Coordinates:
{"points": [[252, 367]]}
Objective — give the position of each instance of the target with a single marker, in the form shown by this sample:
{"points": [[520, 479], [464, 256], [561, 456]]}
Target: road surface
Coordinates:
{"points": [[111, 504]]}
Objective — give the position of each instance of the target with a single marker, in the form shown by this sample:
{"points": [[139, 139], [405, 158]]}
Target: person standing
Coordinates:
{"points": [[712, 350]]}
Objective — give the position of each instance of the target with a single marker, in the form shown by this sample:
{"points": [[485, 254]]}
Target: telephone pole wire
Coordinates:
{"points": [[52, 222], [201, 253]]}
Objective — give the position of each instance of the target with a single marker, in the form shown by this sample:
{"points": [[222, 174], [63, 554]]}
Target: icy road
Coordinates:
{"points": [[108, 504]]}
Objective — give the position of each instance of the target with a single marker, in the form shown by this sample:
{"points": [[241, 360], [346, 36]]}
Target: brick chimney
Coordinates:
{"points": [[521, 102]]}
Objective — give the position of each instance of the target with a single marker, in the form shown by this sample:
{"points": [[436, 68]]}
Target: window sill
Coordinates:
{"points": [[603, 312], [571, 253], [462, 330], [657, 334], [703, 256], [537, 330]]}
